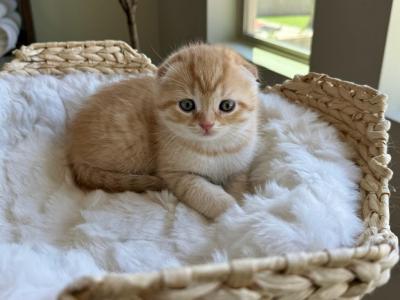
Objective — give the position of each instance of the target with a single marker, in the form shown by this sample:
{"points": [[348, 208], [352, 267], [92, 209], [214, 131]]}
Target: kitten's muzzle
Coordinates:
{"points": [[206, 126]]}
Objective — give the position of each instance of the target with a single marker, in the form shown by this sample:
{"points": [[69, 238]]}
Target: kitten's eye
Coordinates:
{"points": [[227, 105], [187, 105]]}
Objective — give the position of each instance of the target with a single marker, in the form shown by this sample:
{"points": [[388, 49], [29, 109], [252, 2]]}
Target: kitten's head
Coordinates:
{"points": [[207, 92]]}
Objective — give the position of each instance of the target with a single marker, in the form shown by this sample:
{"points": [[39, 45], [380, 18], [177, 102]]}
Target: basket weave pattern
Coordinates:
{"points": [[356, 111], [107, 57]]}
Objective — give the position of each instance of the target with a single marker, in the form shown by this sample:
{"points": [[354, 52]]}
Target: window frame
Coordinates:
{"points": [[247, 6]]}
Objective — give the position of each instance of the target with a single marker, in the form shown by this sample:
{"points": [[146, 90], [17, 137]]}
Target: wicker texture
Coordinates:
{"points": [[108, 57], [356, 111]]}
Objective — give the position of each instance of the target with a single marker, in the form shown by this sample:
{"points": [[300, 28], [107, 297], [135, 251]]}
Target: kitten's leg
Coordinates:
{"points": [[237, 186], [96, 178], [205, 197]]}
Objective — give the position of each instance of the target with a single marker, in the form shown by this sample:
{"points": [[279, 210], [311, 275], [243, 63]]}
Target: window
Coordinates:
{"points": [[284, 27]]}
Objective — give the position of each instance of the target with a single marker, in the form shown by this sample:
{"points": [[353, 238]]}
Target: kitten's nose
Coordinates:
{"points": [[206, 126]]}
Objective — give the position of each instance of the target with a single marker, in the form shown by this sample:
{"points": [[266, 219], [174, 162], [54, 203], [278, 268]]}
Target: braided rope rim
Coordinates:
{"points": [[57, 58], [356, 111]]}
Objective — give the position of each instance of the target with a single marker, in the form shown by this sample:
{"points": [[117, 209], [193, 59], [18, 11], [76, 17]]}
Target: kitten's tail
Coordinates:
{"points": [[90, 177]]}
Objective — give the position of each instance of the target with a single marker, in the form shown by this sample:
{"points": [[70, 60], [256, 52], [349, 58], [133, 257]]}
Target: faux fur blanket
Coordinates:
{"points": [[51, 232]]}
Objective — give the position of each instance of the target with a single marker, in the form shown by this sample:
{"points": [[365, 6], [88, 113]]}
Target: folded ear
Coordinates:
{"points": [[247, 65], [251, 68], [164, 67], [240, 60]]}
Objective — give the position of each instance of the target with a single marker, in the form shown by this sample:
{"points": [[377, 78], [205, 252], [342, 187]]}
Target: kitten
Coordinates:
{"points": [[192, 128]]}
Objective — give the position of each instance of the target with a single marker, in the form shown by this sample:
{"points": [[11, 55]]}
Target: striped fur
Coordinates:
{"points": [[133, 135]]}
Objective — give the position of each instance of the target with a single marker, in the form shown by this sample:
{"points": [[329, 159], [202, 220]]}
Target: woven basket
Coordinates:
{"points": [[356, 111]]}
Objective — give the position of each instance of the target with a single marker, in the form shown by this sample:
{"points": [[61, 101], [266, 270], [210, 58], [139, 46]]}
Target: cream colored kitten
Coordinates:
{"points": [[192, 128]]}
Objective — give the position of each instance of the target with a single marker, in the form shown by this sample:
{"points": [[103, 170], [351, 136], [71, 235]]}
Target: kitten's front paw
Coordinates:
{"points": [[237, 186], [218, 205]]}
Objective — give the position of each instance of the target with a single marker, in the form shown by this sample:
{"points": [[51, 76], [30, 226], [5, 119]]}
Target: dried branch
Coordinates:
{"points": [[129, 7]]}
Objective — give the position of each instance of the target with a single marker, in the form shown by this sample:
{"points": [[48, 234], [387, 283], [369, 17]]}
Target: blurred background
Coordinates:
{"points": [[355, 40]]}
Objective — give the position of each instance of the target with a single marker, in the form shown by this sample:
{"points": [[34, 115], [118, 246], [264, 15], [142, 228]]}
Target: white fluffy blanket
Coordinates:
{"points": [[51, 232]]}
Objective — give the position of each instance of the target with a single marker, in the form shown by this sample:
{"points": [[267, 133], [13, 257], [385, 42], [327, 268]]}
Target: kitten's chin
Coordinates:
{"points": [[208, 134], [202, 137], [207, 138]]}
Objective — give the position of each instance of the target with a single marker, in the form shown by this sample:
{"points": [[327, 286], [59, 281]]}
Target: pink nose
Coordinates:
{"points": [[206, 126]]}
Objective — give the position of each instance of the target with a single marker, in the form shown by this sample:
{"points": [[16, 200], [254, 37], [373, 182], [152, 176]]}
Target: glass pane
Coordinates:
{"points": [[286, 23]]}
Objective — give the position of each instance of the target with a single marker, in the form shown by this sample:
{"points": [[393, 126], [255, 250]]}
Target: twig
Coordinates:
{"points": [[129, 7]]}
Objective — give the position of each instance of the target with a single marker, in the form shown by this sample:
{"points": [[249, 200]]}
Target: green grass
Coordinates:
{"points": [[300, 21]]}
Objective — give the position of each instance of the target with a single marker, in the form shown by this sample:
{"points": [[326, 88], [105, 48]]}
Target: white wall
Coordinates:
{"points": [[181, 21], [222, 29], [68, 20], [390, 75]]}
